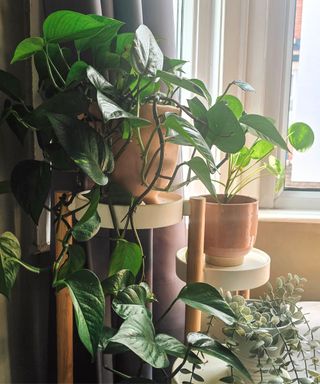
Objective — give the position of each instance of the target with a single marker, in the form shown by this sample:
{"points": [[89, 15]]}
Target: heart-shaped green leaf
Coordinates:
{"points": [[188, 84], [206, 298], [9, 250], [111, 111], [127, 310], [234, 104], [207, 345], [201, 170], [137, 334], [146, 55], [244, 86], [27, 48], [76, 260], [174, 347], [30, 184], [205, 91], [263, 128], [84, 146], [275, 167], [189, 135], [126, 255], [131, 300], [224, 129], [65, 25], [104, 36], [301, 136], [173, 65], [117, 282], [89, 223], [89, 305], [242, 158], [77, 72], [98, 81], [15, 115], [261, 149], [124, 42]]}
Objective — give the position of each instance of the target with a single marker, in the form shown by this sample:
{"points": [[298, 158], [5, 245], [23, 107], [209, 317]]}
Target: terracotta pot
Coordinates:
{"points": [[128, 167], [230, 230]]}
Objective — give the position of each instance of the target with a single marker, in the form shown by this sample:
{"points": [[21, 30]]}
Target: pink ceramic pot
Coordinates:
{"points": [[128, 166], [230, 230]]}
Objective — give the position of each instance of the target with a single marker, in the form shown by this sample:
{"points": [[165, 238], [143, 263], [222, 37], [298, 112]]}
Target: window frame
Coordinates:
{"points": [[262, 39]]}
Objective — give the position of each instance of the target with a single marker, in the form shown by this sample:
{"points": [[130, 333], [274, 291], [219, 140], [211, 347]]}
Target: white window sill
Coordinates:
{"points": [[289, 216]]}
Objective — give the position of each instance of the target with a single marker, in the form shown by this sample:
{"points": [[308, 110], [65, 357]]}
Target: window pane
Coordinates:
{"points": [[303, 169]]}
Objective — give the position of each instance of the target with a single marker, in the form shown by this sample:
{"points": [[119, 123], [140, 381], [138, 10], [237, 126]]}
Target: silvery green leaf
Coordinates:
{"points": [[146, 55]]}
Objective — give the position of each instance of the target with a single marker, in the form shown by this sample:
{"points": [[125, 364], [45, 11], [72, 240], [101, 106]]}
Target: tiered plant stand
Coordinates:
{"points": [[167, 212], [191, 267]]}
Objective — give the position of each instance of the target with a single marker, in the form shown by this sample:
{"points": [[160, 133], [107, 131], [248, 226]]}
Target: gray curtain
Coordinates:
{"points": [[21, 328], [31, 311]]}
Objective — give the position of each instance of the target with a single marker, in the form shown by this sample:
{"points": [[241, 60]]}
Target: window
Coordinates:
{"points": [[266, 43], [258, 47], [199, 26], [303, 169]]}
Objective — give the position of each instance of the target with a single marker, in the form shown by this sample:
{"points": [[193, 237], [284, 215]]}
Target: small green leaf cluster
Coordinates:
{"points": [[271, 328]]}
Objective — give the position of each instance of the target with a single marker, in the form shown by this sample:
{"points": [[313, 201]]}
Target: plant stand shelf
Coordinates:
{"points": [[254, 272], [168, 211]]}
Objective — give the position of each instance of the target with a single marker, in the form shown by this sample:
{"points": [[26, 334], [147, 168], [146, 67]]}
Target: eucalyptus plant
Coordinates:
{"points": [[283, 344]]}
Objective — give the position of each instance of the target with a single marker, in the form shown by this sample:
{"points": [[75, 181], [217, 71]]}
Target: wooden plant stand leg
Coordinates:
{"points": [[195, 257], [245, 293], [64, 312]]}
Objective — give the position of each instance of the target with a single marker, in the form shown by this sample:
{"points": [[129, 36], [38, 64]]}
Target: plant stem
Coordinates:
{"points": [[183, 108], [177, 370], [140, 245], [114, 218], [166, 311], [139, 199], [56, 70], [124, 376], [288, 352], [51, 74]]}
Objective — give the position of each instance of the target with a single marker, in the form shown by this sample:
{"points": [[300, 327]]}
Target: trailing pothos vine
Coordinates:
{"points": [[93, 81]]}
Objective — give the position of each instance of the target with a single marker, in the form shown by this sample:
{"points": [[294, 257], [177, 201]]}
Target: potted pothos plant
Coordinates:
{"points": [[231, 218], [92, 112], [108, 111]]}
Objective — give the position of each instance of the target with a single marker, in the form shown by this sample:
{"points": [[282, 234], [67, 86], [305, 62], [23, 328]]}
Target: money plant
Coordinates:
{"points": [[93, 84]]}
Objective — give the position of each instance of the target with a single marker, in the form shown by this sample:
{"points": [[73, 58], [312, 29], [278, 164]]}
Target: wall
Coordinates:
{"points": [[293, 247]]}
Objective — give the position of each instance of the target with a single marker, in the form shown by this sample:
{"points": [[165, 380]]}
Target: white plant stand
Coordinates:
{"points": [[168, 211], [254, 272]]}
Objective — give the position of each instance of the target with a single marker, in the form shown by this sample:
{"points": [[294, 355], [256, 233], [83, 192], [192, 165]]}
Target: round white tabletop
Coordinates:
{"points": [[254, 272], [169, 211], [212, 371]]}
